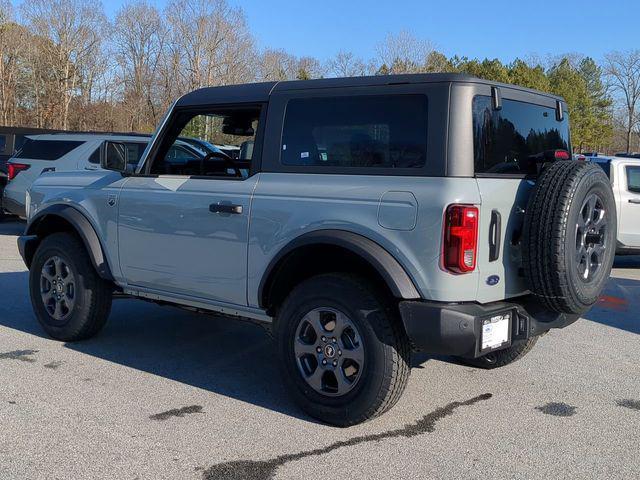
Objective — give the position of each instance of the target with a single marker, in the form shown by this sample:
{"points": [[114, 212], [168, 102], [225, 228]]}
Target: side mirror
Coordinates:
{"points": [[114, 157]]}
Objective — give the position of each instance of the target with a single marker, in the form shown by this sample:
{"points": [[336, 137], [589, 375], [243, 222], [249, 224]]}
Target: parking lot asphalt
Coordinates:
{"points": [[165, 394]]}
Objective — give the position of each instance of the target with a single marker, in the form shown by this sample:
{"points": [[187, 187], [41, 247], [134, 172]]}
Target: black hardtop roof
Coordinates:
{"points": [[260, 92]]}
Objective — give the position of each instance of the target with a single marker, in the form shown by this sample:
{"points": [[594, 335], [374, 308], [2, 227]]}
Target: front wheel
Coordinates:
{"points": [[69, 299], [344, 356]]}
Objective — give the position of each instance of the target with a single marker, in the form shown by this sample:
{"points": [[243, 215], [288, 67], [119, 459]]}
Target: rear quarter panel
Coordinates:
{"points": [[287, 205]]}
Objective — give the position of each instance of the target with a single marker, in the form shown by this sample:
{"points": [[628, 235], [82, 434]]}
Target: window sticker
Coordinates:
{"points": [[304, 154]]}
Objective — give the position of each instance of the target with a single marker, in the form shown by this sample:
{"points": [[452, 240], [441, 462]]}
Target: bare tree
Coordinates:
{"points": [[139, 35], [210, 39], [277, 65], [403, 53], [623, 72], [73, 30], [346, 64], [9, 67]]}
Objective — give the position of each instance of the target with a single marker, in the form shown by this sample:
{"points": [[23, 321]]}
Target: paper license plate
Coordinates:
{"points": [[495, 331]]}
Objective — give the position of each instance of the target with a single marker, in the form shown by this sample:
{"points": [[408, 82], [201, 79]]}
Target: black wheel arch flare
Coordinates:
{"points": [[395, 276], [82, 227]]}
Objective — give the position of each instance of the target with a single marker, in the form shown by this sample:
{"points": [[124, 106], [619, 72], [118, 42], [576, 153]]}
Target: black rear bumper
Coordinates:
{"points": [[456, 328]]}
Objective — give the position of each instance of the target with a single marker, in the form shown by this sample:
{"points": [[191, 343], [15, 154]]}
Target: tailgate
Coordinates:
{"points": [[499, 254]]}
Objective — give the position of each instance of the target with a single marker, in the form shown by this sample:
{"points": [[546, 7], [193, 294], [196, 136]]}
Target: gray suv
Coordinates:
{"points": [[372, 216]]}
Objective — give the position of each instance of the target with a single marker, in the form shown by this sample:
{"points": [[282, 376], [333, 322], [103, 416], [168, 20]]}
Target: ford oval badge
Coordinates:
{"points": [[493, 280]]}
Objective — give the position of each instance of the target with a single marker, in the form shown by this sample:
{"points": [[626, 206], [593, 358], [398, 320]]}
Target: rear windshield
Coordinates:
{"points": [[505, 140], [46, 149], [371, 131]]}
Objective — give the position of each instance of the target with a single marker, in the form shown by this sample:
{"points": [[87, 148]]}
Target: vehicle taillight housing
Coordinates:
{"points": [[14, 169], [460, 249]]}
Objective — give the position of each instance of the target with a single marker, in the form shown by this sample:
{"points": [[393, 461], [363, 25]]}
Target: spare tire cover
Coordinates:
{"points": [[569, 236]]}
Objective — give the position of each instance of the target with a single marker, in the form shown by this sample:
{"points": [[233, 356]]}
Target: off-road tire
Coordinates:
{"points": [[93, 295], [386, 348], [500, 358], [549, 248]]}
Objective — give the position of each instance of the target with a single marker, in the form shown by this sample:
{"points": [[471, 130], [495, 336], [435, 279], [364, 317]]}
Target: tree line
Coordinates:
{"points": [[65, 65]]}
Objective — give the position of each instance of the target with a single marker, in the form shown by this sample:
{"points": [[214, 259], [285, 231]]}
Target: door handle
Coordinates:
{"points": [[495, 235], [225, 208], [635, 200]]}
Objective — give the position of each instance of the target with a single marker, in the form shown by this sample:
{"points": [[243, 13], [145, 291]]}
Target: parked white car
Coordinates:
{"points": [[77, 151], [59, 152], [625, 179]]}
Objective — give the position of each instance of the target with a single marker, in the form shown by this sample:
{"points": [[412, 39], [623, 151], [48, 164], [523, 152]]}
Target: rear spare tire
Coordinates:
{"points": [[569, 236]]}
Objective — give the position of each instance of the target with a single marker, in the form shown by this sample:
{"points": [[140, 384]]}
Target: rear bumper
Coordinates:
{"points": [[456, 329], [12, 206]]}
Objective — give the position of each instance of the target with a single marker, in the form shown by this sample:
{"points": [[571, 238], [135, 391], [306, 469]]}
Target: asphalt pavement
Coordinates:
{"points": [[165, 394]]}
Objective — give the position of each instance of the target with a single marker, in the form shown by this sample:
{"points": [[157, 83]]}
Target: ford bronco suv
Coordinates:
{"points": [[363, 218]]}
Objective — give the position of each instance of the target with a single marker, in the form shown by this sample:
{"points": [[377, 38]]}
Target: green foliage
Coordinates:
{"points": [[581, 87]]}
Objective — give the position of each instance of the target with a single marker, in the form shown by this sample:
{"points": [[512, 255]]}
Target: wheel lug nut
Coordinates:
{"points": [[340, 352], [324, 361], [318, 349], [335, 363], [334, 340], [324, 339]]}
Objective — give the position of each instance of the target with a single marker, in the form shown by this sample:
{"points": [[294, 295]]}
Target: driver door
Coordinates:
{"points": [[184, 220]]}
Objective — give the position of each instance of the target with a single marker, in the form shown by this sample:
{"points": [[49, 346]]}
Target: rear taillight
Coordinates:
{"points": [[14, 169], [460, 238]]}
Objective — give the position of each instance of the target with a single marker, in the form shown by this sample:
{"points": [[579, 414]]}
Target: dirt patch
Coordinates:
{"points": [[54, 365], [20, 355], [177, 412], [627, 403], [557, 409], [265, 470]]}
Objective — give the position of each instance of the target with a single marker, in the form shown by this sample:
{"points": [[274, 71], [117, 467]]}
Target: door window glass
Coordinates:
{"points": [[633, 179], [193, 146]]}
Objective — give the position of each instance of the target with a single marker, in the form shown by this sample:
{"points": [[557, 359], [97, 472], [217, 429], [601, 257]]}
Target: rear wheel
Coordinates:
{"points": [[69, 299], [344, 357]]}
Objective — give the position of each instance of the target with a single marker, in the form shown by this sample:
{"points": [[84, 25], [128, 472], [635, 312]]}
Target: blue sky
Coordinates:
{"points": [[480, 28]]}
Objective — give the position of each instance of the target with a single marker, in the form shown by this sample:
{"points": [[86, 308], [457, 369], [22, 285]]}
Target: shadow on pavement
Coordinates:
{"points": [[619, 305], [225, 356], [627, 261], [11, 226], [218, 354]]}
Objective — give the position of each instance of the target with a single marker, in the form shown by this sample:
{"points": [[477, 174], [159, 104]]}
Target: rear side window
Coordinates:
{"points": [[366, 132], [606, 166], [633, 179], [133, 153], [46, 149], [506, 141]]}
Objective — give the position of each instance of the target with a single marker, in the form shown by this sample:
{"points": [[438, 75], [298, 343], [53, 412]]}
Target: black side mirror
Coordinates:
{"points": [[114, 157]]}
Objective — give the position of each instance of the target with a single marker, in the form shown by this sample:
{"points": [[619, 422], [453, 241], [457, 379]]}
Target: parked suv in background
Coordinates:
{"points": [[624, 174], [69, 152], [58, 152], [437, 212]]}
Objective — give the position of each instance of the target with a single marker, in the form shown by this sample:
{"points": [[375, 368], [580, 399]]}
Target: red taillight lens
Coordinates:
{"points": [[561, 155], [461, 238], [14, 169]]}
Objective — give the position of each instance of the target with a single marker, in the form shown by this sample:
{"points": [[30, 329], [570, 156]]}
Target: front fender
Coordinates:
{"points": [[36, 230]]}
